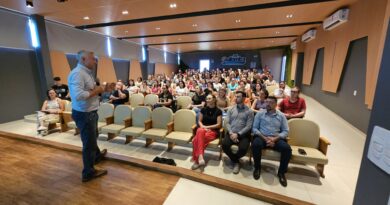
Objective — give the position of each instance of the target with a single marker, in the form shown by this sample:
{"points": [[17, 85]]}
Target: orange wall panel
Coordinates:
{"points": [[59, 65], [105, 70], [135, 69]]}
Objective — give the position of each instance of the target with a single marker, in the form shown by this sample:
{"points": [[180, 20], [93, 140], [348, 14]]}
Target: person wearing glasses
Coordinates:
{"points": [[293, 106]]}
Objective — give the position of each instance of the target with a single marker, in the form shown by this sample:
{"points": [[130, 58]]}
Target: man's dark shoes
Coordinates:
{"points": [[102, 155], [256, 174], [96, 174], [282, 180]]}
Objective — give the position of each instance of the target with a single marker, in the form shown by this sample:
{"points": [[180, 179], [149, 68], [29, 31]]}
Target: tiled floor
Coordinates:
{"points": [[337, 187]]}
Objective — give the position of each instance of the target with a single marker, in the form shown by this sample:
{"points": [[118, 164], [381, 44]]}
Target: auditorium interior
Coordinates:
{"points": [[334, 51]]}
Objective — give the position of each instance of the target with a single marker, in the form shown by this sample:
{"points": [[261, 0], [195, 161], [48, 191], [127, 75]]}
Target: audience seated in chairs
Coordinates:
{"points": [[108, 91], [144, 89], [282, 91], [49, 112], [210, 121], [259, 103], [238, 123], [62, 90], [181, 90], [131, 87], [270, 130], [120, 96], [165, 98], [294, 106], [223, 102]]}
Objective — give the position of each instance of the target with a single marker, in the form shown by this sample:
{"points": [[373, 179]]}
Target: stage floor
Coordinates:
{"points": [[337, 187]]}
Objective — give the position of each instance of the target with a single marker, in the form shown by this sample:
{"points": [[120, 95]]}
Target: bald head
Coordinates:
{"points": [[87, 59]]}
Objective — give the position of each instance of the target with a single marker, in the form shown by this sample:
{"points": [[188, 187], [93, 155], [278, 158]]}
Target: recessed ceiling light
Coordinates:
{"points": [[179, 39], [194, 25], [272, 41], [277, 32], [86, 18], [158, 28], [173, 5], [125, 12], [126, 31], [289, 16], [29, 4], [238, 20]]}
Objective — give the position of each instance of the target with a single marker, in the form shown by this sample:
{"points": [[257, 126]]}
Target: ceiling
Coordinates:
{"points": [[191, 25]]}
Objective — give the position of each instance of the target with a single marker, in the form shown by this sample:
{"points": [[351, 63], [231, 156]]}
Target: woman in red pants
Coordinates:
{"points": [[210, 121]]}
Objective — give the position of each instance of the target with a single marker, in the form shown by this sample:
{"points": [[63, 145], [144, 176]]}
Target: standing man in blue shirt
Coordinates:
{"points": [[270, 129], [85, 102]]}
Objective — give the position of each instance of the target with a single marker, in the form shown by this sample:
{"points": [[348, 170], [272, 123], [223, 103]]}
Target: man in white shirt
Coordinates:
{"points": [[85, 102]]}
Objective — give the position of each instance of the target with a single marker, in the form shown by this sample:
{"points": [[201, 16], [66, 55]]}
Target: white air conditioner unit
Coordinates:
{"points": [[336, 19], [293, 45], [309, 35]]}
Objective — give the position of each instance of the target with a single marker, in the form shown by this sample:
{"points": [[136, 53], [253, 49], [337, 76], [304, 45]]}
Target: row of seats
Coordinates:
{"points": [[162, 124]]}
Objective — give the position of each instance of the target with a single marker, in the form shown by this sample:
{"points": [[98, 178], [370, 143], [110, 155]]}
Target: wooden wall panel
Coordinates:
{"points": [[135, 69], [59, 65], [161, 68], [105, 70], [366, 18]]}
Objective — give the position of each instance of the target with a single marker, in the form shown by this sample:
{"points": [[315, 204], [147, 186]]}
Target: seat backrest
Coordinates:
{"points": [[305, 133], [183, 101], [151, 99], [136, 99], [121, 112], [184, 120], [271, 89], [161, 117], [105, 110], [140, 114], [67, 106]]}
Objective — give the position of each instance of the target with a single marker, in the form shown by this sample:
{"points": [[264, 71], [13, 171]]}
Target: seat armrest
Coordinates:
{"points": [[148, 124], [170, 127], [110, 120], [323, 145], [128, 122], [65, 117], [221, 135]]}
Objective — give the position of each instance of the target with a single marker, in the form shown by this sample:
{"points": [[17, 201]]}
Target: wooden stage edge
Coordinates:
{"points": [[224, 184]]}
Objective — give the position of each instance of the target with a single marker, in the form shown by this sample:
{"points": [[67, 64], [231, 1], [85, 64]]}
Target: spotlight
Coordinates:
{"points": [[29, 4]]}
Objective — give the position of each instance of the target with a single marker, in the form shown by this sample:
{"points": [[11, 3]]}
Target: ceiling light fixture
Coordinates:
{"points": [[29, 4], [158, 28], [289, 16], [126, 31], [238, 20], [86, 18], [125, 12], [172, 6], [194, 25], [277, 32]]}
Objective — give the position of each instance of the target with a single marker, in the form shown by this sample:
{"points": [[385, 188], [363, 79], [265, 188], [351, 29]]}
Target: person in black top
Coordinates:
{"points": [[210, 121], [120, 96], [165, 98], [62, 90]]}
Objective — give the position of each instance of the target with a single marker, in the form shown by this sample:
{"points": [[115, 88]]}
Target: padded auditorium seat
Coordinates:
{"points": [[183, 102], [150, 99], [140, 115], [157, 127], [183, 128], [136, 99], [122, 119]]}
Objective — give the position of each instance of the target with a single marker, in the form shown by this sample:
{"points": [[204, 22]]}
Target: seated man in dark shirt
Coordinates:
{"points": [[62, 90], [120, 96], [165, 98]]}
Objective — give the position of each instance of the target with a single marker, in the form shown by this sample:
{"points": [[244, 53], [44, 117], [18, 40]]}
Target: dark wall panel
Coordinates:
{"points": [[19, 83], [218, 57], [121, 69], [344, 103], [72, 60], [373, 186]]}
